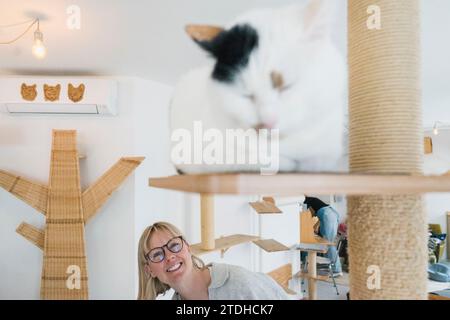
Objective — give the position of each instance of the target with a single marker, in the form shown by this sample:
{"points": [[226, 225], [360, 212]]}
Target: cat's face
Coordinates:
{"points": [[76, 93], [51, 93], [29, 93], [263, 65]]}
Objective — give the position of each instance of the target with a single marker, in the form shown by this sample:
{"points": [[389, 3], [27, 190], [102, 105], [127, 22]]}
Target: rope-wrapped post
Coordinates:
{"points": [[387, 234]]}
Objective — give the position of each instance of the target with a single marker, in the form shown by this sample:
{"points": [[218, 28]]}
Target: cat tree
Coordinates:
{"points": [[67, 209], [387, 222]]}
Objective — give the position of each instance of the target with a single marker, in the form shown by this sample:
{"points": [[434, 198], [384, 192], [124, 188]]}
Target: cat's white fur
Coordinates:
{"points": [[294, 41]]}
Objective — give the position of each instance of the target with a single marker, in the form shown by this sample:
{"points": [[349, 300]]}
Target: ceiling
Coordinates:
{"points": [[145, 38], [142, 38]]}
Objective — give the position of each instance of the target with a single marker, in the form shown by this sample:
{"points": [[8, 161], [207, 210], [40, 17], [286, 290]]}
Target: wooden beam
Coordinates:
{"points": [[34, 235], [32, 193], [304, 183], [99, 192], [207, 221], [312, 272], [223, 243]]}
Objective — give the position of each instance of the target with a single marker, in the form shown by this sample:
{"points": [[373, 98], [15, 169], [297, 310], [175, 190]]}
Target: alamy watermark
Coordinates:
{"points": [[374, 20], [244, 149], [73, 21], [374, 280], [74, 279]]}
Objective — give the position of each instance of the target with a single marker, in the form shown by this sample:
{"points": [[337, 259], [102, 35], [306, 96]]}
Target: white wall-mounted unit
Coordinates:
{"points": [[26, 95]]}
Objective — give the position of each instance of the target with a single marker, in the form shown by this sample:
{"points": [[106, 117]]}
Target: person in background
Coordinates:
{"points": [[165, 261], [329, 223]]}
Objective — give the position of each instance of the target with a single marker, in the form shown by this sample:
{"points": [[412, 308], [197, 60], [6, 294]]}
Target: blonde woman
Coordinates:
{"points": [[165, 262]]}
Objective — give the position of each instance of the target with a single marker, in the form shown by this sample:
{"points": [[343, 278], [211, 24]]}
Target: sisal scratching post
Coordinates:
{"points": [[386, 232]]}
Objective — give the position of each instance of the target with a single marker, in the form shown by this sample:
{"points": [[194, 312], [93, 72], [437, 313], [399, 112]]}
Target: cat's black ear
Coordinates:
{"points": [[204, 35]]}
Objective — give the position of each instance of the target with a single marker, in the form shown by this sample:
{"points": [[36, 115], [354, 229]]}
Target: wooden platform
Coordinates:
{"points": [[271, 245], [223, 243], [289, 184]]}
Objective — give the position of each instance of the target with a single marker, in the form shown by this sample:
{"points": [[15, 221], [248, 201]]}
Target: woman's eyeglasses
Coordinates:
{"points": [[158, 254]]}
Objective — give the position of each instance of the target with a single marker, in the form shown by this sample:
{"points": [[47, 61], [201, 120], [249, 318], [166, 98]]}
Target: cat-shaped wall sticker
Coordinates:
{"points": [[29, 93], [76, 93], [51, 93]]}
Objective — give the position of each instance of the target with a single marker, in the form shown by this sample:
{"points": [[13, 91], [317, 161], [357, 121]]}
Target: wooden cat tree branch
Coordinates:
{"points": [[67, 210], [34, 194]]}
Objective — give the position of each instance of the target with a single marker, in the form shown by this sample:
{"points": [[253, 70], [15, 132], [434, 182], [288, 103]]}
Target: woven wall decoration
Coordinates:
{"points": [[67, 209]]}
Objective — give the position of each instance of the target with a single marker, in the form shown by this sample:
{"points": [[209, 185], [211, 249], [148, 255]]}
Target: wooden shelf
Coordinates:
{"points": [[289, 184], [223, 244], [271, 245], [265, 207], [313, 247]]}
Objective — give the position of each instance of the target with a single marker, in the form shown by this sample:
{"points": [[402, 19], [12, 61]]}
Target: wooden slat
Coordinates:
{"points": [[33, 193], [307, 227], [35, 235], [99, 192], [223, 243], [282, 275], [271, 245], [428, 145], [304, 183], [265, 207]]}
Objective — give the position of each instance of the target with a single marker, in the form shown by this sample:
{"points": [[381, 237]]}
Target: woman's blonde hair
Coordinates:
{"points": [[149, 287]]}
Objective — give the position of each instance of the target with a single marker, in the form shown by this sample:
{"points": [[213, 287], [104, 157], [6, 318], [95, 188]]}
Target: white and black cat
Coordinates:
{"points": [[273, 68]]}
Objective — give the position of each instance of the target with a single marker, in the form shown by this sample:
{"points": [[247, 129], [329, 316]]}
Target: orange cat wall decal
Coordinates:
{"points": [[51, 93], [28, 92], [76, 93]]}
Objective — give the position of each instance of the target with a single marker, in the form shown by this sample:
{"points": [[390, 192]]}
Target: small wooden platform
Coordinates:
{"points": [[290, 184], [312, 247], [271, 245], [265, 207], [224, 243]]}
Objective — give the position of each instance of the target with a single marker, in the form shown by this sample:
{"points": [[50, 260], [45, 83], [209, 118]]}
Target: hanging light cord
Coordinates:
{"points": [[33, 22]]}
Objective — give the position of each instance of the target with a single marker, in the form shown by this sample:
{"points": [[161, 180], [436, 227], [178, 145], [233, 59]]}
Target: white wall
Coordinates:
{"points": [[138, 129]]}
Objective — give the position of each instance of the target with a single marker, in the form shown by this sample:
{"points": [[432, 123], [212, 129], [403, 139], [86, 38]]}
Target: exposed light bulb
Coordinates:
{"points": [[38, 49], [435, 130]]}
